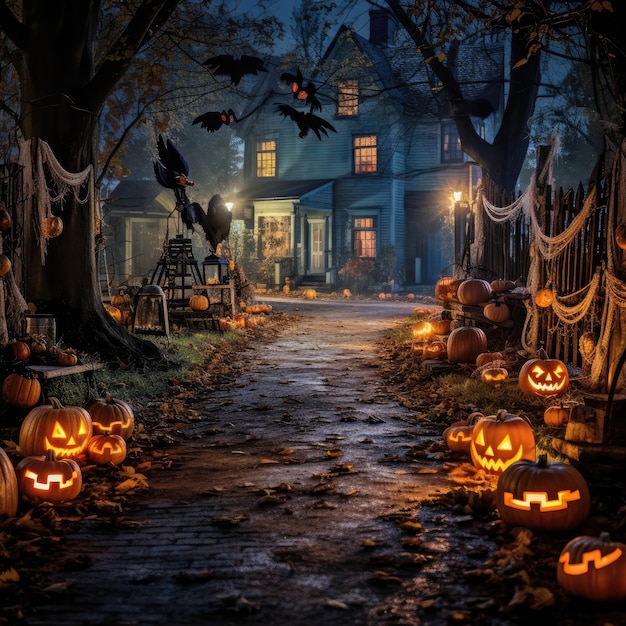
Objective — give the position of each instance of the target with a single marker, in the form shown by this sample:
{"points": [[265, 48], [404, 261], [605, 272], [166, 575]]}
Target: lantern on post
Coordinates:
{"points": [[151, 316], [214, 270]]}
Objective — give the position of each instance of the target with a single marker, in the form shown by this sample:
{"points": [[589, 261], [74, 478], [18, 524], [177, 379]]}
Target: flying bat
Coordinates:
{"points": [[306, 121], [214, 120], [236, 67], [301, 91]]}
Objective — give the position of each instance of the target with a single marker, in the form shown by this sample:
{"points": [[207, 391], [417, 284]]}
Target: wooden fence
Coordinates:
{"points": [[561, 241]]}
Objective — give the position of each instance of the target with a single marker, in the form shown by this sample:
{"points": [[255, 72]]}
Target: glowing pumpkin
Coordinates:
{"points": [[551, 497], [64, 429], [9, 493], [48, 479], [543, 376], [446, 288], [440, 325], [108, 448], [500, 440], [422, 330], [544, 298], [458, 435], [435, 350], [494, 376], [593, 568], [111, 415]]}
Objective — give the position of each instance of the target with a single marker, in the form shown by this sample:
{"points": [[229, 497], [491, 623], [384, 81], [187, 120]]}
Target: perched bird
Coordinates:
{"points": [[236, 67], [306, 121], [215, 222], [214, 120], [301, 91], [171, 170]]}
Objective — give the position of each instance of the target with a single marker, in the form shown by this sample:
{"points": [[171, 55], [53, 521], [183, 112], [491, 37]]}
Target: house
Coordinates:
{"points": [[384, 181]]}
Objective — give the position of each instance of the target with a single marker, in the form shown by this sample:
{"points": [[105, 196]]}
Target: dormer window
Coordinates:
{"points": [[348, 98]]}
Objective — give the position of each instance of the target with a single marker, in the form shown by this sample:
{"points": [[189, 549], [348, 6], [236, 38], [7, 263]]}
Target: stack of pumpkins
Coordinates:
{"points": [[549, 497], [54, 441], [249, 316]]}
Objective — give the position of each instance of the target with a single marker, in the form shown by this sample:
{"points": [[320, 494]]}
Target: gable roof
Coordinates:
{"points": [[144, 197]]}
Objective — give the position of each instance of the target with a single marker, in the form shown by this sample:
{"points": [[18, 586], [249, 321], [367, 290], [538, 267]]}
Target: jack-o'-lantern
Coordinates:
{"points": [[500, 440], [417, 347], [543, 496], [593, 568], [435, 350], [9, 493], [544, 298], [108, 448], [422, 330], [543, 376], [64, 429], [466, 343], [48, 479], [458, 435], [494, 376], [111, 415]]}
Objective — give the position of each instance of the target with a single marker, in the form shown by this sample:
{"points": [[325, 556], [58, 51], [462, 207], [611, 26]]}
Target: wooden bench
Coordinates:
{"points": [[46, 373]]}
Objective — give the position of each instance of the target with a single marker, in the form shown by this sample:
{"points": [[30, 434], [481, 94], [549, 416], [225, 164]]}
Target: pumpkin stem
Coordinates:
{"points": [[501, 415], [542, 460], [605, 536], [55, 402], [51, 455]]}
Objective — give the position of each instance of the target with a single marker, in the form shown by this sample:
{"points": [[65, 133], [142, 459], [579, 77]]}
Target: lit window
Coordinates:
{"points": [[266, 158], [348, 98], [364, 232], [365, 154], [450, 144]]}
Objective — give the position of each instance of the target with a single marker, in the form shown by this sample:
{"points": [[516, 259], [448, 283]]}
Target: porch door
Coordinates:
{"points": [[316, 247]]}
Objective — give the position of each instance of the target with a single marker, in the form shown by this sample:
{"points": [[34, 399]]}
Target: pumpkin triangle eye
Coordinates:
{"points": [[58, 432], [480, 438], [82, 430], [505, 444]]}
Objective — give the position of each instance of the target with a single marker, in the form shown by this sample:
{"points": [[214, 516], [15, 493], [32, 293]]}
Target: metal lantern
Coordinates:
{"points": [[151, 317], [214, 270]]}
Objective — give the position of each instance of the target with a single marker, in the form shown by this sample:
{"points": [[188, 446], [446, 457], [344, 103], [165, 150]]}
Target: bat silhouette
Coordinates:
{"points": [[214, 120], [301, 91], [171, 170], [236, 67], [306, 121]]}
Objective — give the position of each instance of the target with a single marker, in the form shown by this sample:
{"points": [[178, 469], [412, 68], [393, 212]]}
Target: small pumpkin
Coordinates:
{"points": [[52, 226], [6, 221], [310, 294], [114, 312], [543, 496], [543, 376], [5, 264], [497, 312], [474, 291], [466, 343], [64, 429], [38, 344], [488, 357], [108, 448], [458, 435], [501, 285], [20, 350], [544, 298], [435, 350], [500, 440], [440, 325], [446, 288], [199, 302], [67, 357], [556, 415], [494, 376], [21, 391], [111, 415], [120, 300], [422, 330], [9, 493], [48, 479], [593, 568]]}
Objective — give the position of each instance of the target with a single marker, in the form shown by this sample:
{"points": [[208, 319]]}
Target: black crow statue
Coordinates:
{"points": [[171, 170]]}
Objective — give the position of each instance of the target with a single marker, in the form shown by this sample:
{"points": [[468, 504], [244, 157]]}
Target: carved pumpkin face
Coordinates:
{"points": [[494, 376], [500, 440], [64, 429], [111, 416], [544, 298], [543, 377], [458, 436], [543, 496], [107, 448], [593, 568], [422, 330], [46, 478]]}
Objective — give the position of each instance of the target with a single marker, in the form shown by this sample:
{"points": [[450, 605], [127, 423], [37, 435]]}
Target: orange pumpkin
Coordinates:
{"points": [[440, 325], [64, 429], [52, 226], [67, 358], [198, 302], [593, 568], [114, 312], [21, 391], [9, 493], [435, 350], [500, 440], [543, 376], [6, 221], [497, 312], [544, 298], [5, 264], [458, 436], [103, 449], [20, 350], [422, 330], [474, 291], [446, 288], [556, 415], [620, 236], [543, 496], [310, 294], [466, 343], [494, 376], [48, 479], [501, 285], [111, 415], [488, 357]]}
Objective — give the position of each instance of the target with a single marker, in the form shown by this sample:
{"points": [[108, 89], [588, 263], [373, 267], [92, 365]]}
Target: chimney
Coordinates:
{"points": [[381, 27]]}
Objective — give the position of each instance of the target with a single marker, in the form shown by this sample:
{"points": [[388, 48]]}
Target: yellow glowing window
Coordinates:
{"points": [[365, 154], [364, 231], [266, 158]]}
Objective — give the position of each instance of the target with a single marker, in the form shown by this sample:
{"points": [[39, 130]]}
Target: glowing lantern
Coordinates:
{"points": [[46, 478], [500, 440], [103, 449], [422, 330], [544, 298], [543, 496], [64, 429], [458, 436], [593, 568], [543, 376], [110, 415]]}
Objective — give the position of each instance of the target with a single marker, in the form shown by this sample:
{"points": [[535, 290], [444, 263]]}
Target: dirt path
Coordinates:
{"points": [[297, 498]]}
